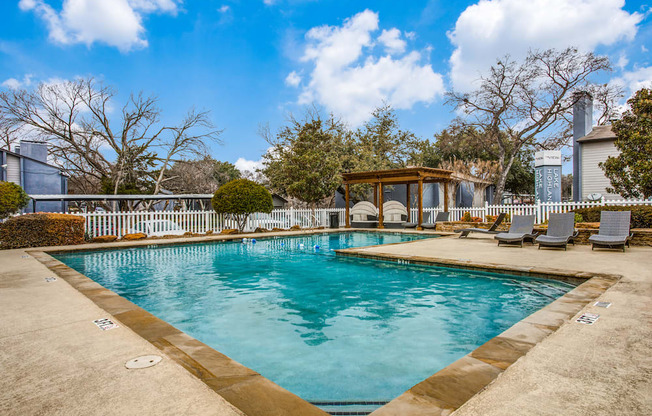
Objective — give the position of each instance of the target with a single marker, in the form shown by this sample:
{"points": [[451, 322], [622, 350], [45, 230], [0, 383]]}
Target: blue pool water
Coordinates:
{"points": [[324, 327]]}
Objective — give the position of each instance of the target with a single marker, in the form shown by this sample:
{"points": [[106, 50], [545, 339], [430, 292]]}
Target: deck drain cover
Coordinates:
{"points": [[105, 324], [50, 279], [143, 362], [588, 318], [601, 304]]}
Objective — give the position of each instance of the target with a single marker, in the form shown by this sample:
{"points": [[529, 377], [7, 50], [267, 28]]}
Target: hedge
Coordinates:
{"points": [[641, 214], [42, 229]]}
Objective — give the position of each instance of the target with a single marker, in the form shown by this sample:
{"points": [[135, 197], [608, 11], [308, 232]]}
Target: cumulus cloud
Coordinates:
{"points": [[117, 23], [293, 79], [634, 80], [346, 77], [245, 165], [14, 84], [492, 28], [392, 41]]}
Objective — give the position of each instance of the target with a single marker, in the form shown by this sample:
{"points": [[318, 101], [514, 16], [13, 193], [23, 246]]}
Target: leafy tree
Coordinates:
{"points": [[470, 145], [305, 160], [379, 144], [12, 199], [240, 198], [224, 172], [630, 173], [527, 103]]}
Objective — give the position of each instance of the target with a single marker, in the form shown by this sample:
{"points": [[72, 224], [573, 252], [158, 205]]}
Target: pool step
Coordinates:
{"points": [[348, 408]]}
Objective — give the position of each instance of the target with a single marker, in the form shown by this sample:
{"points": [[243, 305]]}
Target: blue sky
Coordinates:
{"points": [[253, 62]]}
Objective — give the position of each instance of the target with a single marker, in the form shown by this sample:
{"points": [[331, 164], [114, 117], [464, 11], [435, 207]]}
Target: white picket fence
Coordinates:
{"points": [[199, 222]]}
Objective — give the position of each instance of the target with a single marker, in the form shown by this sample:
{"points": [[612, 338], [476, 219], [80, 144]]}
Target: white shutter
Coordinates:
{"points": [[13, 169]]}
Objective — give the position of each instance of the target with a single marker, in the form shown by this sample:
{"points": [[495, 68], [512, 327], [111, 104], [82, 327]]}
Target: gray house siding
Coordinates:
{"points": [[35, 176]]}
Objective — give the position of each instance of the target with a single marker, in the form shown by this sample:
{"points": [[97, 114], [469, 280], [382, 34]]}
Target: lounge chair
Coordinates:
{"points": [[614, 230], [491, 230], [520, 231], [561, 231], [394, 214], [441, 216], [364, 215]]}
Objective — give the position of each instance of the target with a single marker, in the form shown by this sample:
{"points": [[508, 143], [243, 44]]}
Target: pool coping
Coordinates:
{"points": [[253, 394]]}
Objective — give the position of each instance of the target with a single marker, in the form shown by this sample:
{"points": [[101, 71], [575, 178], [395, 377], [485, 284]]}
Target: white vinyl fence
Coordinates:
{"points": [[199, 222]]}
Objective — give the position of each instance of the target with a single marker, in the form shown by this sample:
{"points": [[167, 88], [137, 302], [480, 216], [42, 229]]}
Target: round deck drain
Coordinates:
{"points": [[144, 361]]}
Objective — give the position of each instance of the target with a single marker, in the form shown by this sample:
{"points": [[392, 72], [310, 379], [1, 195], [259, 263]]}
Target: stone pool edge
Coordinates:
{"points": [[448, 389], [253, 394]]}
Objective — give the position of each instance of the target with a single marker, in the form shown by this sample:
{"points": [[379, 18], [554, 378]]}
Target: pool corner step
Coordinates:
{"points": [[348, 408]]}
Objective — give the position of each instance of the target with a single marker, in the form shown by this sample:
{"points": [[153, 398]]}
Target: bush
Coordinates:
{"points": [[12, 199], [641, 214], [242, 197], [466, 217], [42, 229]]}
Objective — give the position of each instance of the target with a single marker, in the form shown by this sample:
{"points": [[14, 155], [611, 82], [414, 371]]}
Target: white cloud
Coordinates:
{"points": [[14, 84], [224, 8], [293, 79], [492, 28], [392, 41], [116, 23], [349, 80], [634, 80], [244, 165]]}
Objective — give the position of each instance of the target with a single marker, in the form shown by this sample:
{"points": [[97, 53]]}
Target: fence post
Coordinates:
{"points": [[539, 212]]}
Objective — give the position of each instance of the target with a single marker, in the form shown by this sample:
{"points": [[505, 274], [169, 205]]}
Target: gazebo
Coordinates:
{"points": [[404, 176]]}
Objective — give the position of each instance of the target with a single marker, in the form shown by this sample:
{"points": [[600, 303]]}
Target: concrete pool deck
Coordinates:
{"points": [[55, 360]]}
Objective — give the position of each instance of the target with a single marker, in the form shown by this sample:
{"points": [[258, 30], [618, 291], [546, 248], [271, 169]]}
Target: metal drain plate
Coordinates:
{"points": [[602, 304], [588, 318], [144, 361]]}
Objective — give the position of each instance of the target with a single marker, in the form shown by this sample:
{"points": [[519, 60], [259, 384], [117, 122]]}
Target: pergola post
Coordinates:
{"points": [[420, 204], [445, 196], [376, 195], [380, 205], [409, 205], [346, 209]]}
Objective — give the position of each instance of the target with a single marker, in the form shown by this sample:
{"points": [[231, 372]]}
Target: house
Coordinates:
{"points": [[279, 202], [591, 145], [28, 167]]}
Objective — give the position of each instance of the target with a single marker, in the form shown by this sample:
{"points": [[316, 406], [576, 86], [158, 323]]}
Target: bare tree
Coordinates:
{"points": [[527, 103], [74, 117], [605, 99], [8, 132]]}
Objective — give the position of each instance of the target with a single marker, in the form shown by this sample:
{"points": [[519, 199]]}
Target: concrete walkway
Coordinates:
{"points": [[599, 369], [55, 360]]}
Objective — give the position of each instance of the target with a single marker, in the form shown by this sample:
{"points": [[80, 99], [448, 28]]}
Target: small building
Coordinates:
{"points": [[279, 202], [591, 146], [28, 167]]}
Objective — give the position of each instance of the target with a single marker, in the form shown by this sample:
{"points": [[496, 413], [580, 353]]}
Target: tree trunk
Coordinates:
{"points": [[502, 180]]}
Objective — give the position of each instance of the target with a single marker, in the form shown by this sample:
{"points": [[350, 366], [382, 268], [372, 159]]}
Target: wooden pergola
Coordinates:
{"points": [[405, 176]]}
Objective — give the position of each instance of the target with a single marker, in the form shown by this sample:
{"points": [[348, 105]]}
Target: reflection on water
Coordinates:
{"points": [[322, 326]]}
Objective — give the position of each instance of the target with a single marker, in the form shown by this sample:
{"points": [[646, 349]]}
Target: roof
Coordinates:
{"points": [[397, 176], [408, 175], [598, 133], [59, 168]]}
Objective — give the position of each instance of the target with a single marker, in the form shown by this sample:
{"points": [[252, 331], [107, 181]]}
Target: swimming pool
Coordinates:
{"points": [[326, 328]]}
